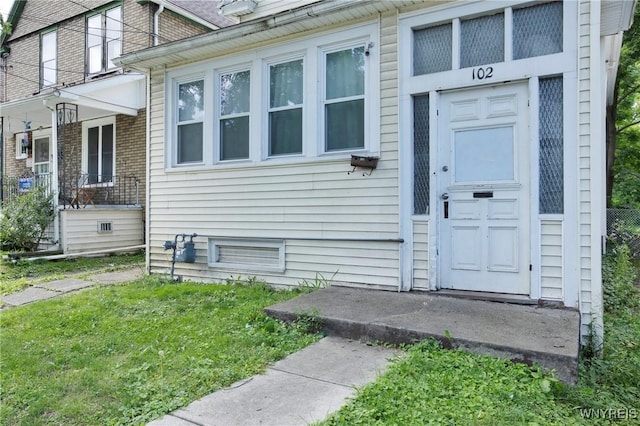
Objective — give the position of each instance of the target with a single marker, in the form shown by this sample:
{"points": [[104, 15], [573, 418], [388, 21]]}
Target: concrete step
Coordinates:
{"points": [[528, 334]]}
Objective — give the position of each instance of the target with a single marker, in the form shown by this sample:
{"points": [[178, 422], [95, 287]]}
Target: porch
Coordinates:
{"points": [[94, 212], [529, 334]]}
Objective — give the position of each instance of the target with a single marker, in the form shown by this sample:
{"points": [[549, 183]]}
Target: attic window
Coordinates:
{"points": [[237, 7]]}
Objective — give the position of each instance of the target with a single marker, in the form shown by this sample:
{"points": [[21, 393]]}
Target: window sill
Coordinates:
{"points": [[332, 157]]}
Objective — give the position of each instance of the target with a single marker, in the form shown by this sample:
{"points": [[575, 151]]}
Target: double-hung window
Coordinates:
{"points": [[99, 150], [48, 59], [344, 117], [190, 116], [235, 96], [286, 103], [104, 40], [285, 108]]}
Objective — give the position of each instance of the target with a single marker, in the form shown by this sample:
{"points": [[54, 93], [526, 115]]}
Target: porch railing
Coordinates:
{"points": [[13, 186], [80, 190], [83, 190]]}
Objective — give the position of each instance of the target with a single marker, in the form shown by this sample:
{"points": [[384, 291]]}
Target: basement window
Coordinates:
{"points": [[243, 254]]}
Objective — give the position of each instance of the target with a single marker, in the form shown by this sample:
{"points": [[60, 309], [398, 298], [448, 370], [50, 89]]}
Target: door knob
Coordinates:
{"points": [[444, 196]]}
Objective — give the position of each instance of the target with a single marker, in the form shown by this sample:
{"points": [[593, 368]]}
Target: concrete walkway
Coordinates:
{"points": [[303, 388], [67, 285]]}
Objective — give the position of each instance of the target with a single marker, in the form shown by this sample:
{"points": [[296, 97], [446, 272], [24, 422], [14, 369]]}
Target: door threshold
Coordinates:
{"points": [[517, 299]]}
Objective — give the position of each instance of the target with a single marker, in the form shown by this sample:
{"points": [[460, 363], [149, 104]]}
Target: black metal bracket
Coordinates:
{"points": [[364, 163]]}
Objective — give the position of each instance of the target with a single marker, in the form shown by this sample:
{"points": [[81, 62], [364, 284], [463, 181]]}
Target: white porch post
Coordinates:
{"points": [[54, 176]]}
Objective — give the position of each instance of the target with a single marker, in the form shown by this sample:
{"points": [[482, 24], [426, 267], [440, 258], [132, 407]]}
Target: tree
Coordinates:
{"points": [[623, 132]]}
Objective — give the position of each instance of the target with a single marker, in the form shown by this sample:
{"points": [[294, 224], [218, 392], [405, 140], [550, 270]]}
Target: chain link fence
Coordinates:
{"points": [[623, 225]]}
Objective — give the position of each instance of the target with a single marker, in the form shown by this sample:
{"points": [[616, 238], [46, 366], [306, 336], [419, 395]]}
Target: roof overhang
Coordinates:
{"points": [[312, 17], [122, 94], [616, 16]]}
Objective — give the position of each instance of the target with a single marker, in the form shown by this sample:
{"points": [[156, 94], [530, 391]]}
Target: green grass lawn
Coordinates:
{"points": [[23, 273], [130, 353], [435, 386]]}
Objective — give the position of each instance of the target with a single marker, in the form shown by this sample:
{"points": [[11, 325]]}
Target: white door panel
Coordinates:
{"points": [[483, 184]]}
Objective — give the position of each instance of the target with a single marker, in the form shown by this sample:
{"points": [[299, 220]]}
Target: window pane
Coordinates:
{"points": [[94, 31], [551, 146], [484, 155], [537, 30], [95, 59], [49, 73], [107, 153], [49, 46], [345, 73], [234, 136], [421, 154], [114, 24], [191, 101], [285, 132], [235, 92], [114, 48], [285, 84], [92, 154], [41, 150], [190, 143], [432, 49], [344, 125], [482, 40]]}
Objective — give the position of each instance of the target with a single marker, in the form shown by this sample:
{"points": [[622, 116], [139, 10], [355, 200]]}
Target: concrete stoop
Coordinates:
{"points": [[529, 334]]}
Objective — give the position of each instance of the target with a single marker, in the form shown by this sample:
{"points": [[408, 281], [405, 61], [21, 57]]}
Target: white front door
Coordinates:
{"points": [[483, 189]]}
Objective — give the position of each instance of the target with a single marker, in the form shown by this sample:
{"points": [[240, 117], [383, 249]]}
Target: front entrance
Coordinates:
{"points": [[41, 155], [483, 189]]}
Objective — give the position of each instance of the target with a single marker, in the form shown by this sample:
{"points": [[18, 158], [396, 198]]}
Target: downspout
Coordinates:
{"points": [[54, 172], [147, 250], [156, 25]]}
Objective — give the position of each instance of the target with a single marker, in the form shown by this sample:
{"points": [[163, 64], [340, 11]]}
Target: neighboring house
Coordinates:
{"points": [[485, 120], [74, 121]]}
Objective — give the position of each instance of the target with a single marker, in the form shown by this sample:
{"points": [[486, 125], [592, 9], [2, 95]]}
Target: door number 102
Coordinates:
{"points": [[482, 73]]}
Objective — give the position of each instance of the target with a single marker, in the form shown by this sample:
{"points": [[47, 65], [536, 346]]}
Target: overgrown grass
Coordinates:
{"points": [[23, 273], [432, 385], [128, 354]]}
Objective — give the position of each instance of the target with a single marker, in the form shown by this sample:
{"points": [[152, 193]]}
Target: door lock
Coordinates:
{"points": [[444, 196]]}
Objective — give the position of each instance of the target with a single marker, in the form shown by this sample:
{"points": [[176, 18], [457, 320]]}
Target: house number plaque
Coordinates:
{"points": [[481, 73]]}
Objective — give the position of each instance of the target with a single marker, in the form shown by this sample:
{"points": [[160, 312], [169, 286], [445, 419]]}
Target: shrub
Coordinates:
{"points": [[25, 220]]}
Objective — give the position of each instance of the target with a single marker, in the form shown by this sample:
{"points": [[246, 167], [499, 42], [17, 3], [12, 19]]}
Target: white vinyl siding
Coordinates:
{"points": [[310, 198], [80, 231], [585, 173], [421, 255], [551, 259]]}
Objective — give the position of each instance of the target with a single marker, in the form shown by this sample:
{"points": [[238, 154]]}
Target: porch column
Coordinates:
{"points": [[54, 176]]}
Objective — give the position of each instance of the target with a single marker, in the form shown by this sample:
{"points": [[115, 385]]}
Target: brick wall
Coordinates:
{"points": [[174, 27], [131, 148]]}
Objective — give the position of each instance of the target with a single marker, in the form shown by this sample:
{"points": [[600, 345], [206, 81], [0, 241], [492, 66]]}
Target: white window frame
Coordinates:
{"points": [[217, 136], [323, 52], [310, 49], [50, 63], [104, 42], [40, 134], [267, 84], [174, 118], [86, 125], [22, 152]]}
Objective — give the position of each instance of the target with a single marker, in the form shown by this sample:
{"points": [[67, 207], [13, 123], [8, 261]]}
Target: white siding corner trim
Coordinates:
{"points": [[247, 255]]}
